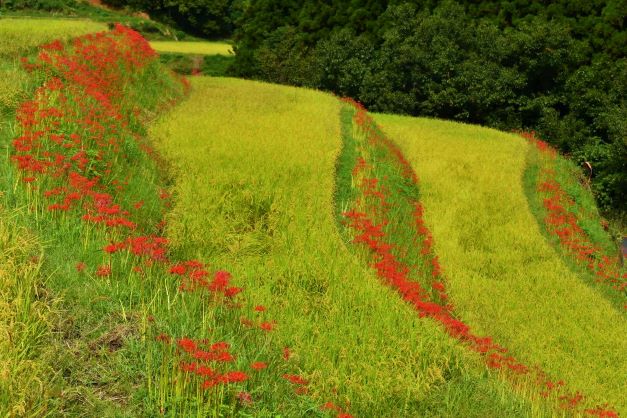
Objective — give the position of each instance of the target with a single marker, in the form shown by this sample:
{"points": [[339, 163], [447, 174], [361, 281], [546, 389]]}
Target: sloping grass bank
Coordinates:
{"points": [[504, 278], [74, 166]]}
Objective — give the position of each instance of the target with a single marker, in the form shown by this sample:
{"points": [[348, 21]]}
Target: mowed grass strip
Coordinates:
{"points": [[20, 35], [505, 279], [198, 48], [254, 168]]}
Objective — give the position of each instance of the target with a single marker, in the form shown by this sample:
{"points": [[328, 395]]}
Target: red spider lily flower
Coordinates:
{"points": [[331, 406], [138, 205], [267, 326], [164, 338], [111, 248], [286, 353], [80, 266], [344, 415], [230, 292], [245, 398], [295, 379], [234, 377], [260, 308], [178, 269], [207, 384], [205, 371], [259, 365], [29, 179], [188, 345], [188, 367], [224, 357], [220, 281], [103, 271], [220, 346]]}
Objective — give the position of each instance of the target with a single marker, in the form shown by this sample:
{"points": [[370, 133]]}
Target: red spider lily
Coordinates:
{"points": [[103, 271], [259, 365], [267, 326], [188, 345], [80, 266], [331, 406], [234, 377], [220, 281], [232, 291], [260, 308], [295, 379], [286, 353]]}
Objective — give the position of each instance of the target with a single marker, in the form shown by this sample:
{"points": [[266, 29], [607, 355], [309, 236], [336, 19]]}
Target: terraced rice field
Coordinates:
{"points": [[196, 48], [261, 250], [256, 196], [504, 277]]}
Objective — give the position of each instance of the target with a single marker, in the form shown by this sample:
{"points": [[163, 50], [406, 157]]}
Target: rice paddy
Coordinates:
{"points": [[217, 261], [18, 35], [196, 48], [256, 197]]}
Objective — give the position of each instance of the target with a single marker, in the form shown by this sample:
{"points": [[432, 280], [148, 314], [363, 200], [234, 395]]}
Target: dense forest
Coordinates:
{"points": [[557, 67]]}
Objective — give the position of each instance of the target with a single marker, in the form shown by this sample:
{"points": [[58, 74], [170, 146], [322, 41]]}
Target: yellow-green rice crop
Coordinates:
{"points": [[254, 168], [198, 48], [505, 279], [26, 317], [17, 37], [20, 35]]}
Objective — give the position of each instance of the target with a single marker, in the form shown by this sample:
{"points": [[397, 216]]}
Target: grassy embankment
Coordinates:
{"points": [[28, 311], [256, 196], [504, 277], [75, 325]]}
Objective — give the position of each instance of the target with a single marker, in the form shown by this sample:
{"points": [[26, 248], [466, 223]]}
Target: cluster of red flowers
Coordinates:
{"points": [[368, 219], [74, 132], [562, 221]]}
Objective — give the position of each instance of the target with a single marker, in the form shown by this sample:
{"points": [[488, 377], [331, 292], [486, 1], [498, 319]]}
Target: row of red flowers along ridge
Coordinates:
{"points": [[76, 134], [373, 229], [562, 221]]}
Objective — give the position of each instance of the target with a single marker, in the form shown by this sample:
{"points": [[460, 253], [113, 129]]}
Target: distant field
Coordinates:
{"points": [[255, 195], [19, 35], [505, 279], [199, 48]]}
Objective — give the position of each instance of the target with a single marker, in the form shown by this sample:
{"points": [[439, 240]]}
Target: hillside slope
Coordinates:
{"points": [[505, 279], [254, 184]]}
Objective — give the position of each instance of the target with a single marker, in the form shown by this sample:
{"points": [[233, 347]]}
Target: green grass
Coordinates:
{"points": [[197, 48], [504, 277], [254, 167]]}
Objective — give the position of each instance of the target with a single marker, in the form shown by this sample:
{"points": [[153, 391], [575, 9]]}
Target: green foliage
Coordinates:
{"points": [[208, 18], [45, 5]]}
